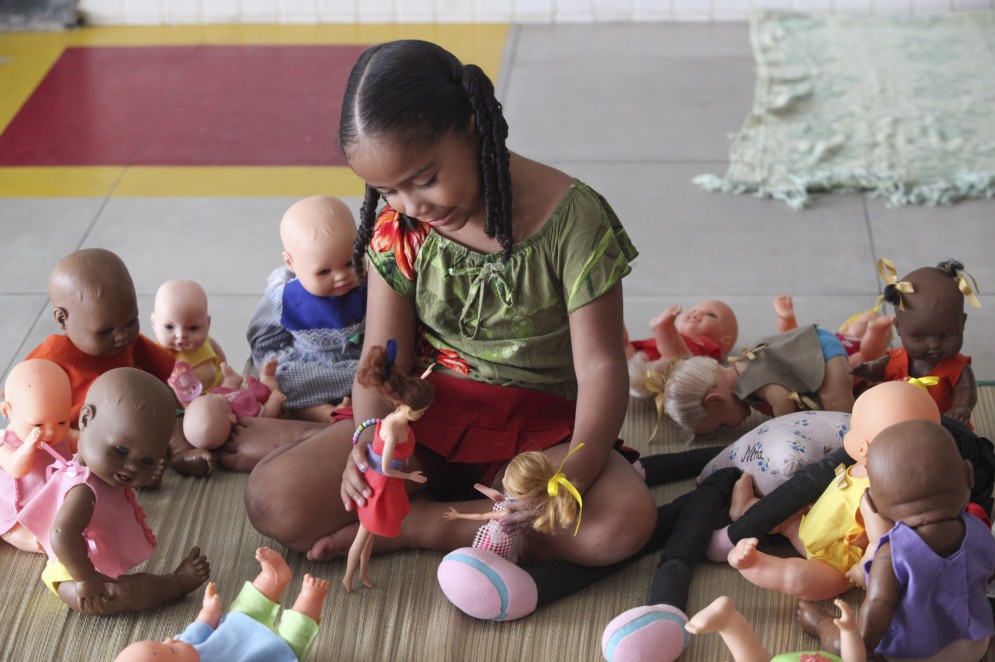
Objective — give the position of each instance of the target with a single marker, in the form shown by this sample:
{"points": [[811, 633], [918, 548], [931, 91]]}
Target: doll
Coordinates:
{"points": [[312, 315], [249, 632], [393, 443], [95, 305], [929, 319], [208, 420], [926, 582], [528, 477], [865, 336], [86, 516], [181, 324], [709, 328], [37, 404], [802, 369], [835, 532], [722, 616]]}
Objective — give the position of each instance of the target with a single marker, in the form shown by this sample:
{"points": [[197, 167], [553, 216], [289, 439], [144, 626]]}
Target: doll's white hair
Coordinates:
{"points": [[687, 385]]}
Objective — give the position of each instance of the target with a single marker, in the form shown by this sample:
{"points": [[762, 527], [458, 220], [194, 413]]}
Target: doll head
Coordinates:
{"points": [[699, 396], [159, 651], [882, 406], [125, 426], [527, 479], [917, 474], [412, 103], [713, 319], [179, 319], [377, 371], [318, 234], [207, 421], [38, 395], [930, 319], [94, 301]]}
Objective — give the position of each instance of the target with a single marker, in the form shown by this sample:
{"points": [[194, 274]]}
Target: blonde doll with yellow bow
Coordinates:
{"points": [[929, 319]]}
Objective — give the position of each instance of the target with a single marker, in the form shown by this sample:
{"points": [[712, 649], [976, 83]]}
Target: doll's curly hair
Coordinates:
{"points": [[377, 372], [684, 395], [527, 479]]}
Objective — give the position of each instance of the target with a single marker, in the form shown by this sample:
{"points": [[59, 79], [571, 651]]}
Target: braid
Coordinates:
{"points": [[492, 132], [367, 219]]}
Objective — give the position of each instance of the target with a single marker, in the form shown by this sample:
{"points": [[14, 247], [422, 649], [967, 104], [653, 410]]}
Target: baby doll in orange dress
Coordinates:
{"points": [[393, 443], [929, 318], [37, 402]]}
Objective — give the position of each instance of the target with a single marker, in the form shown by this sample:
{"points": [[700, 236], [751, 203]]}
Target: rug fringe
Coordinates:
{"points": [[963, 186]]}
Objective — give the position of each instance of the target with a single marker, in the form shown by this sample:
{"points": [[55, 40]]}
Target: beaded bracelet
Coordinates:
{"points": [[362, 426]]}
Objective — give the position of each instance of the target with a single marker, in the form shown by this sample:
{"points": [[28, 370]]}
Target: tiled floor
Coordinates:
{"points": [[635, 110]]}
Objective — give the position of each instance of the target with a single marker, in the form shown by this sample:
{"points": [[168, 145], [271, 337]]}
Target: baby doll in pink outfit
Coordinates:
{"points": [[37, 406], [208, 420]]}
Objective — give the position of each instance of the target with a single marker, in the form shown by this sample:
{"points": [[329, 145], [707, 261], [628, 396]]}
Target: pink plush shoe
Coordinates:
{"points": [[483, 585], [719, 546], [646, 634]]}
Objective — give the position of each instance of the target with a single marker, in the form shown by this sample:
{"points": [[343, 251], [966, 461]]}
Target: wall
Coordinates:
{"points": [[171, 12]]}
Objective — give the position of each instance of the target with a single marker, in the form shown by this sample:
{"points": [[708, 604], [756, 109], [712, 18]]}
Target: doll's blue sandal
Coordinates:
{"points": [[483, 585], [653, 633]]}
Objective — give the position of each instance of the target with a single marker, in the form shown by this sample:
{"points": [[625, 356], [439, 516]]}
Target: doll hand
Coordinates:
{"points": [[666, 317], [960, 413], [210, 611], [784, 306], [34, 437], [871, 371], [416, 476], [519, 516], [855, 575], [451, 515], [355, 489], [91, 594]]}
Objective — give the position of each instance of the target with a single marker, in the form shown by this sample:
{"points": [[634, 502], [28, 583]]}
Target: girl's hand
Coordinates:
{"points": [[520, 514], [355, 489]]}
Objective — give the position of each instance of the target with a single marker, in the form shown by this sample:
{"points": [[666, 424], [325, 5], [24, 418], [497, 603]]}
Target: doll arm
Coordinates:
{"points": [[390, 442], [852, 647], [210, 611], [217, 350], [70, 548], [878, 607], [452, 514], [669, 341], [489, 492], [875, 527], [872, 370], [18, 462], [784, 307], [965, 396], [388, 315]]}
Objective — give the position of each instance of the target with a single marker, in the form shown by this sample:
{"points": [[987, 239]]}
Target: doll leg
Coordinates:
{"points": [[274, 574], [668, 467], [23, 539], [874, 342], [819, 623], [231, 379], [809, 579], [836, 391], [144, 590], [358, 556], [722, 616], [311, 598]]}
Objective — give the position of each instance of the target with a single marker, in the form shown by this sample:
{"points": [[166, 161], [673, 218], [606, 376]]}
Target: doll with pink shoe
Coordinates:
{"points": [[37, 402], [721, 616], [835, 533], [250, 631], [181, 325], [393, 444], [926, 581], [208, 419], [87, 517], [929, 320], [311, 318]]}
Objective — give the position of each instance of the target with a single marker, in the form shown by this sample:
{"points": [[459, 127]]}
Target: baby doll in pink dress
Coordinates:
{"points": [[208, 419], [86, 515], [37, 406]]}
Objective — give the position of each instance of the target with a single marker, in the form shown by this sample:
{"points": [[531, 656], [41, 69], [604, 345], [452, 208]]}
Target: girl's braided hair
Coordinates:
{"points": [[417, 92]]}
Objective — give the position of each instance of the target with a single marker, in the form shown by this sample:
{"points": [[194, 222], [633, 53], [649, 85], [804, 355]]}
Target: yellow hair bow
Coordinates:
{"points": [[559, 478], [965, 287], [656, 383], [924, 382], [888, 273]]}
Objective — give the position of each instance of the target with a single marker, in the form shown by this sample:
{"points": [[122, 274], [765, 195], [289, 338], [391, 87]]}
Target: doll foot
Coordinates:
{"points": [[192, 571], [719, 546], [156, 480], [274, 573], [713, 617], [810, 615], [654, 632], [743, 497], [744, 554], [193, 462], [483, 585]]}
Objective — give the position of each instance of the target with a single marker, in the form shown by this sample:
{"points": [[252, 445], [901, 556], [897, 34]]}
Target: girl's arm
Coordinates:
{"points": [[19, 462], [388, 315], [602, 385], [965, 396]]}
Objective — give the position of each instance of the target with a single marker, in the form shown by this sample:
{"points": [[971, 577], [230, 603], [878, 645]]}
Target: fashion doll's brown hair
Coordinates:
{"points": [[527, 479], [417, 92], [377, 372]]}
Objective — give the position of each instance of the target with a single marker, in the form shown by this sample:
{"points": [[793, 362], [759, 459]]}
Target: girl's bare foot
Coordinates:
{"points": [[743, 497], [713, 617], [744, 554], [274, 573], [252, 439], [336, 545]]}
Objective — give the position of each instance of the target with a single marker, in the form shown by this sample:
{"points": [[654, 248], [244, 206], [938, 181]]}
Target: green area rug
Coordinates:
{"points": [[902, 106]]}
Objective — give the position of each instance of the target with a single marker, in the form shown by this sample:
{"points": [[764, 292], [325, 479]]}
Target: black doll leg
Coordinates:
{"points": [[668, 467], [979, 452]]}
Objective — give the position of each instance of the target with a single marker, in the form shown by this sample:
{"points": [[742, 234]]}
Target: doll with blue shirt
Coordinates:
{"points": [[311, 317]]}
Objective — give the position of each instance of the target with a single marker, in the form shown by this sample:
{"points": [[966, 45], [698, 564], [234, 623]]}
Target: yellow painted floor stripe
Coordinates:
{"points": [[26, 57]]}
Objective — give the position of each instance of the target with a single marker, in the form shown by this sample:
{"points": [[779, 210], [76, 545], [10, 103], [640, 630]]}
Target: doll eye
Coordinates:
{"points": [[121, 450], [169, 327], [324, 272], [148, 461], [105, 332], [712, 315]]}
